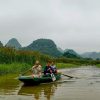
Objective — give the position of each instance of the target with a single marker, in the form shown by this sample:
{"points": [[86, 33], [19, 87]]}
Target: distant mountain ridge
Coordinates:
{"points": [[93, 55], [13, 43], [60, 49], [45, 46]]}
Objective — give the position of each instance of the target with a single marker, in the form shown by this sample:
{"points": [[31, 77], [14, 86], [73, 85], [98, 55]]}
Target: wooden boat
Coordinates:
{"points": [[29, 80]]}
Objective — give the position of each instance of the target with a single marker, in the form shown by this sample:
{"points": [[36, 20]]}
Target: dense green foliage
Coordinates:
{"points": [[13, 68], [45, 46], [12, 61], [23, 67], [71, 54], [68, 55], [98, 65], [78, 61], [1, 45], [10, 55], [66, 65]]}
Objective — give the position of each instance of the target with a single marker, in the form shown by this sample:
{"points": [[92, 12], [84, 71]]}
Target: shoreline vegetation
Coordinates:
{"points": [[18, 61], [19, 68], [98, 65]]}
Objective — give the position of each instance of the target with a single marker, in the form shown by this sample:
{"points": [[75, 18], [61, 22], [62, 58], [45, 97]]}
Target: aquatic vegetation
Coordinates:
{"points": [[13, 68], [66, 65], [98, 65]]}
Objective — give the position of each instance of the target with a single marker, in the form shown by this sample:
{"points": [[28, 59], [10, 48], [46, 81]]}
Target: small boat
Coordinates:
{"points": [[29, 80]]}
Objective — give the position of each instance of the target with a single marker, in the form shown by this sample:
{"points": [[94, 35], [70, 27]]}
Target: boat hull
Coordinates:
{"points": [[29, 80]]}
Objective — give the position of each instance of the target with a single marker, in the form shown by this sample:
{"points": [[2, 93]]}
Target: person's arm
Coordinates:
{"points": [[51, 69], [40, 68], [33, 67]]}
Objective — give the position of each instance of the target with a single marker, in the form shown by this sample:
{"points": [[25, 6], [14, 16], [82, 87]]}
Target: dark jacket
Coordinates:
{"points": [[48, 69]]}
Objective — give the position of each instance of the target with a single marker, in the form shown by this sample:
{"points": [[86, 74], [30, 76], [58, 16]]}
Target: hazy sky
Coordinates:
{"points": [[73, 24]]}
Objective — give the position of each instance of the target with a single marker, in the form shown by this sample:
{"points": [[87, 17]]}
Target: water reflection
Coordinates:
{"points": [[8, 84], [43, 90]]}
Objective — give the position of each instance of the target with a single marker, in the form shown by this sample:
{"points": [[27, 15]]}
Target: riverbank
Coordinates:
{"points": [[98, 65], [67, 65], [13, 68], [21, 67], [18, 68]]}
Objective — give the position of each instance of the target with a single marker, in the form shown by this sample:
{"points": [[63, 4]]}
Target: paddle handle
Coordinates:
{"points": [[26, 71], [68, 75], [53, 77]]}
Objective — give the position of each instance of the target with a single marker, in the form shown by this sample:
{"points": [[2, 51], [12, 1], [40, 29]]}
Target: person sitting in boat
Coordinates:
{"points": [[48, 69], [54, 67], [37, 69]]}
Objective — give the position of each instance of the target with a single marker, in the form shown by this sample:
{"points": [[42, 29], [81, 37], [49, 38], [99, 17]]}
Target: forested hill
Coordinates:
{"points": [[48, 47], [69, 53], [13, 43], [1, 44], [61, 50], [45, 46]]}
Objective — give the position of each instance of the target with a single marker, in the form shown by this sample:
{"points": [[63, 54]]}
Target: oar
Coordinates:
{"points": [[68, 75], [53, 77], [26, 71]]}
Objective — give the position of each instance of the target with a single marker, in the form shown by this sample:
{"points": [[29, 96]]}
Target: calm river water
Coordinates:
{"points": [[85, 87]]}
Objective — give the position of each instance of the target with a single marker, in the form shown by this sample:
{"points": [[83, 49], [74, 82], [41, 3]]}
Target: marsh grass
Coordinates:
{"points": [[66, 65], [98, 65], [13, 68], [22, 67]]}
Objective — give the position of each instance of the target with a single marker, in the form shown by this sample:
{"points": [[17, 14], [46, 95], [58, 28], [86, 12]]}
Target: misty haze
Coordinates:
{"points": [[73, 24]]}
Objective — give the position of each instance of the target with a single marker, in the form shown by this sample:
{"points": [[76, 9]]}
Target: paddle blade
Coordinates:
{"points": [[53, 77]]}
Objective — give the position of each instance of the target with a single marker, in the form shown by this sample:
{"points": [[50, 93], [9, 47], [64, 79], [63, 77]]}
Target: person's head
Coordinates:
{"points": [[52, 63], [49, 63], [37, 62]]}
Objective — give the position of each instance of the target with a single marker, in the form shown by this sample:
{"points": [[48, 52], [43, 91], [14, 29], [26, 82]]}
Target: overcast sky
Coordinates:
{"points": [[73, 24]]}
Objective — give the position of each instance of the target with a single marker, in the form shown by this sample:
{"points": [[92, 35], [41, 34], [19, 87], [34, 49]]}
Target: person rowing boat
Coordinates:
{"points": [[49, 71]]}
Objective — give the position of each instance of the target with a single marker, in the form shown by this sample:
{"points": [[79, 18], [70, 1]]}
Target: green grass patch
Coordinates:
{"points": [[98, 65], [17, 68], [13, 68], [66, 65]]}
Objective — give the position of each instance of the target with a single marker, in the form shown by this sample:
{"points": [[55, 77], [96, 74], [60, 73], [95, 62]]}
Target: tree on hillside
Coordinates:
{"points": [[1, 45], [71, 54]]}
